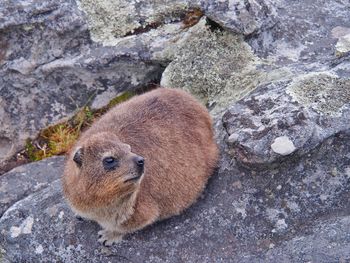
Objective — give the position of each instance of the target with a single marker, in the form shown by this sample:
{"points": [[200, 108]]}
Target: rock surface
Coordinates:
{"points": [[27, 179], [294, 213], [57, 56], [307, 110], [275, 75]]}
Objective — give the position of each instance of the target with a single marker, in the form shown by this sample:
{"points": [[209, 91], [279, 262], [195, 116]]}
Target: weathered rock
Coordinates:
{"points": [[111, 19], [208, 64], [49, 68], [329, 242], [294, 124], [343, 46], [306, 110], [27, 179], [52, 60], [217, 67], [243, 216], [302, 37]]}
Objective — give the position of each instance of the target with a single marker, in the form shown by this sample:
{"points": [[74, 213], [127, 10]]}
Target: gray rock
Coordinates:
{"points": [[57, 56], [329, 242], [49, 67], [27, 179], [243, 216], [271, 200], [217, 67], [111, 19], [307, 110], [204, 63], [302, 37], [243, 17]]}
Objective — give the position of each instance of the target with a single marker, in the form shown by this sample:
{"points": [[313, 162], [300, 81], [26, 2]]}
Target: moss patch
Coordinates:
{"points": [[123, 97]]}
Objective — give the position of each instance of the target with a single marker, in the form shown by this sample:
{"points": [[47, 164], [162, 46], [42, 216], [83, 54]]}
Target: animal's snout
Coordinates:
{"points": [[140, 161]]}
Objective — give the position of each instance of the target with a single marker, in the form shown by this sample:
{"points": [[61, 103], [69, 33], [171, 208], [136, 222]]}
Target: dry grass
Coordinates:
{"points": [[59, 139]]}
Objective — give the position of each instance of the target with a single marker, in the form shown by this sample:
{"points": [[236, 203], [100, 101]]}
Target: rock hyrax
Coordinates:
{"points": [[147, 159]]}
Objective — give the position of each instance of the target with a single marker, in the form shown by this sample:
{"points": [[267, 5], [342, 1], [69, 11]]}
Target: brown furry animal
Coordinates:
{"points": [[145, 160]]}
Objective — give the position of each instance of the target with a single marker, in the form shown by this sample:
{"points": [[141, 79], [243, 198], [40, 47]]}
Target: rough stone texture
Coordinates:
{"points": [[111, 19], [217, 67], [27, 179], [210, 63], [307, 110], [49, 68], [284, 75], [57, 56], [243, 216], [306, 32]]}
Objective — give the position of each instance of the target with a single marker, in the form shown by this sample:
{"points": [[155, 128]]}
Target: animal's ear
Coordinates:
{"points": [[78, 157]]}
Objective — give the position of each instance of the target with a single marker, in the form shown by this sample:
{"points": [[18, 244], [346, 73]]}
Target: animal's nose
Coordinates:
{"points": [[140, 161]]}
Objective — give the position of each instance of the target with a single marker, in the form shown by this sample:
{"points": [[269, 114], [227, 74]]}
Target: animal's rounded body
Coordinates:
{"points": [[146, 159]]}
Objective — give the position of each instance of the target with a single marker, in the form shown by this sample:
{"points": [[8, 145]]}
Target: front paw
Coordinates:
{"points": [[108, 238]]}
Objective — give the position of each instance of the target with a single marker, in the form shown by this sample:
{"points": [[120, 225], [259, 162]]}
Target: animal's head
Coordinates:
{"points": [[101, 170]]}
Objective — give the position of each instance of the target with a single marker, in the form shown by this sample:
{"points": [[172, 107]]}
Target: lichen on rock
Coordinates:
{"points": [[343, 46], [109, 20], [323, 91], [214, 65], [278, 70]]}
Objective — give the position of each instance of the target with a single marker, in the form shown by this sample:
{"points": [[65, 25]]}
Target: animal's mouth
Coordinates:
{"points": [[134, 179]]}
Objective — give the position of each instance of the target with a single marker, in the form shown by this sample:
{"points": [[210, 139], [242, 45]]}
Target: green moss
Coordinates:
{"points": [[121, 98]]}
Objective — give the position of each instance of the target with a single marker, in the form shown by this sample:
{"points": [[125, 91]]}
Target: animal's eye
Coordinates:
{"points": [[110, 163]]}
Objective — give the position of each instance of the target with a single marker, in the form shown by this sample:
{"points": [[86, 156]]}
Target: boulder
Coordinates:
{"points": [[50, 67], [285, 120], [275, 76], [295, 212], [57, 56], [27, 179]]}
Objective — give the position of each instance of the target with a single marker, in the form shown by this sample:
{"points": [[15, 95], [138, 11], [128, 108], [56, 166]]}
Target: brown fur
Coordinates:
{"points": [[173, 133]]}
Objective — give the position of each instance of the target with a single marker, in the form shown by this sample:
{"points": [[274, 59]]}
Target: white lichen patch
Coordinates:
{"points": [[293, 206], [285, 50], [233, 138], [324, 92], [347, 172], [242, 211], [281, 224], [283, 146], [39, 249], [24, 228], [60, 215], [343, 46]]}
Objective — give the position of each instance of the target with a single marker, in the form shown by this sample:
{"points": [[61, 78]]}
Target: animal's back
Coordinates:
{"points": [[173, 132]]}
